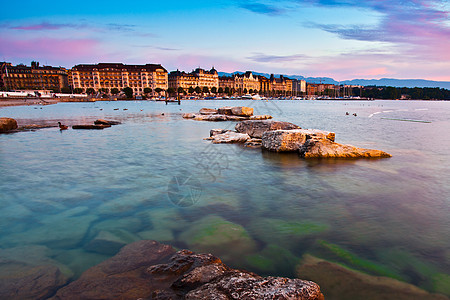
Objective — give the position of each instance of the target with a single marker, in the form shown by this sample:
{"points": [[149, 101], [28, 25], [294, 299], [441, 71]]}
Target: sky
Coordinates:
{"points": [[342, 39]]}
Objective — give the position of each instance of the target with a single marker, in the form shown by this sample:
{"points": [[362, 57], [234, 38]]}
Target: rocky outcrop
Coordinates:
{"points": [[323, 148], [7, 124], [230, 137], [292, 140], [256, 128], [144, 270], [208, 111], [261, 117], [242, 111], [342, 283]]}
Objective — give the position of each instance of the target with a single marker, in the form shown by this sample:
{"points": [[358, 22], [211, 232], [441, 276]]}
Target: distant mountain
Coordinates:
{"points": [[410, 83]]}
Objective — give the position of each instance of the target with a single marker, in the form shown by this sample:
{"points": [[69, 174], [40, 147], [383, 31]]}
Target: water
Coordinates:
{"points": [[83, 194]]}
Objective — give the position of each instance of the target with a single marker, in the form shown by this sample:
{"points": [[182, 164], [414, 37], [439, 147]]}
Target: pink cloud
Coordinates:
{"points": [[51, 49]]}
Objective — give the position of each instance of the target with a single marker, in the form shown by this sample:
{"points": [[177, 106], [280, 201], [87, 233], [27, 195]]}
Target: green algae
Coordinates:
{"points": [[441, 283], [273, 259]]}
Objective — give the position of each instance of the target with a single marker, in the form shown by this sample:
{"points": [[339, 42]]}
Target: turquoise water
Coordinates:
{"points": [[83, 194]]}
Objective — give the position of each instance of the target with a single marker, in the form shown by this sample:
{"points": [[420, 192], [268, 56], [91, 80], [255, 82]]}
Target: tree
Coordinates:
{"points": [[214, 90], [77, 90], [250, 91], [114, 91], [245, 91], [90, 91], [191, 90], [147, 90], [198, 90], [180, 90], [158, 90], [170, 91], [220, 91], [104, 90], [227, 90], [205, 90], [128, 92]]}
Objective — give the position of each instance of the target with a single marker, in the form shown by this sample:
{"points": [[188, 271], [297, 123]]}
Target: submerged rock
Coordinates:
{"points": [[256, 128], [188, 115], [7, 124], [144, 270], [338, 282], [106, 122], [213, 118], [90, 126]]}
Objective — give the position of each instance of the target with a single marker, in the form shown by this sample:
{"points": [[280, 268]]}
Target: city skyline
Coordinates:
{"points": [[340, 39]]}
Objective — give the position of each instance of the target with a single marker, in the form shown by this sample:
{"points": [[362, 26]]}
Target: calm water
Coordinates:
{"points": [[83, 194]]}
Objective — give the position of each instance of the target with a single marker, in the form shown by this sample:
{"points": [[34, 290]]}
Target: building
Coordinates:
{"points": [[246, 83], [264, 85], [226, 83], [22, 77], [282, 85], [197, 78], [298, 87], [104, 77]]}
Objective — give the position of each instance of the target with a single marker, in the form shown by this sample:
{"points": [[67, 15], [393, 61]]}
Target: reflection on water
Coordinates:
{"points": [[81, 195]]}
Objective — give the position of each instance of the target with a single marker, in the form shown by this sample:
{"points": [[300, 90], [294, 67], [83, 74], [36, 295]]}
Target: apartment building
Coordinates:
{"points": [[197, 78], [106, 76]]}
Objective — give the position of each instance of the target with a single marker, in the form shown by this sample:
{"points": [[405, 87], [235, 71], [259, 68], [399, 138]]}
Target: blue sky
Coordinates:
{"points": [[343, 39]]}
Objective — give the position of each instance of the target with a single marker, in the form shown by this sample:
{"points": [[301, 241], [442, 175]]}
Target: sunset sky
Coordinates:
{"points": [[343, 39]]}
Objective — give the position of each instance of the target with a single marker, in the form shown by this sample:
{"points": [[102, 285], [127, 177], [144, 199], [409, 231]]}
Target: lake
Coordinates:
{"points": [[80, 195]]}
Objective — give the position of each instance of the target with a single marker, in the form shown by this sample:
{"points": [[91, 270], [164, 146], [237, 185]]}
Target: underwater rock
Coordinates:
{"points": [[272, 259], [160, 235], [27, 272], [149, 270], [216, 235], [256, 128], [338, 282], [110, 242], [7, 124], [90, 126], [106, 122]]}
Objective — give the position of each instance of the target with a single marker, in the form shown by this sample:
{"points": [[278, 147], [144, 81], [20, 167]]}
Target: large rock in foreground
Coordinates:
{"points": [[292, 140], [7, 124], [341, 283], [256, 128], [143, 270]]}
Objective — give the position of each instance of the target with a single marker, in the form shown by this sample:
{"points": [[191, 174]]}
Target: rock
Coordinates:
{"points": [[236, 118], [226, 110], [120, 277], [242, 111], [230, 137], [248, 286], [208, 111], [161, 235], [105, 122], [90, 126], [339, 282], [212, 118], [7, 124], [110, 242], [253, 143], [214, 132], [218, 236], [143, 270], [256, 128], [323, 148], [261, 117], [188, 115], [292, 140]]}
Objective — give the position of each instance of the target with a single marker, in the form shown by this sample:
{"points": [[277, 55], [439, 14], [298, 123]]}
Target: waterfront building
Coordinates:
{"points": [[197, 78], [244, 83], [298, 87], [282, 85], [23, 77], [226, 82], [104, 77], [264, 85]]}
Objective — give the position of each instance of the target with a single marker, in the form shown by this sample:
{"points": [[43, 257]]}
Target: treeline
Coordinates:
{"points": [[389, 92]]}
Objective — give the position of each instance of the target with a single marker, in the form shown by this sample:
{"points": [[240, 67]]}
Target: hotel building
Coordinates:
{"points": [[22, 77], [197, 78], [106, 76]]}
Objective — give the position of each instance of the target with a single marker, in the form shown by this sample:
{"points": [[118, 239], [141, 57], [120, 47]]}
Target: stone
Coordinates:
{"points": [[221, 237], [256, 128], [211, 118], [338, 282], [253, 143], [208, 111], [120, 277], [161, 235], [214, 132], [242, 111], [236, 118], [323, 148], [226, 110], [230, 137], [7, 124], [292, 140], [188, 115], [261, 117], [105, 122], [110, 242]]}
